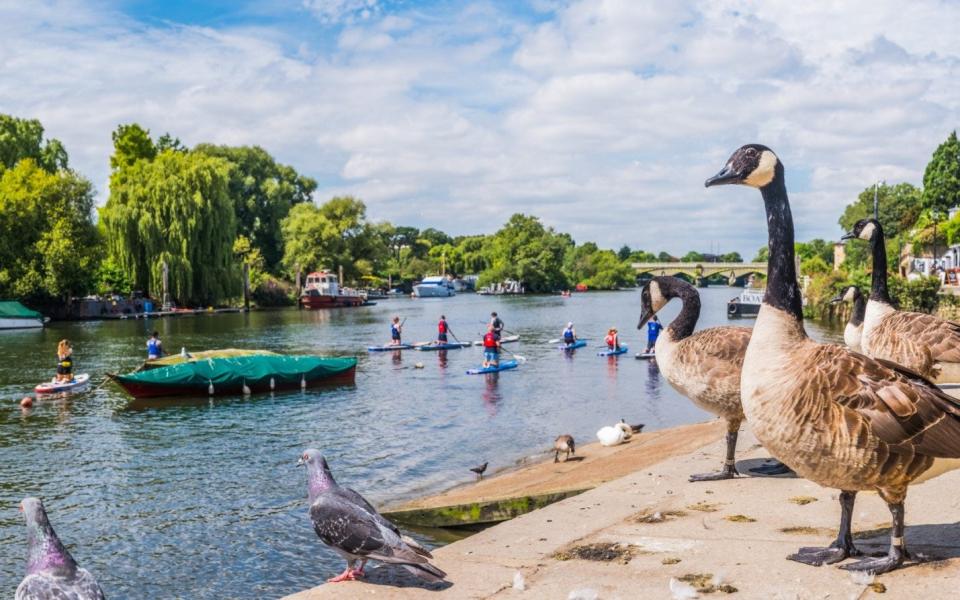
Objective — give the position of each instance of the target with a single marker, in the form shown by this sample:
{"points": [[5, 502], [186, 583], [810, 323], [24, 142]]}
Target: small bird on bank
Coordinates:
{"points": [[564, 443], [346, 522], [479, 470], [51, 571]]}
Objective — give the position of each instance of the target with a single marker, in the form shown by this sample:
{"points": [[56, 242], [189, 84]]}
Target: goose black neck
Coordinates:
{"points": [[782, 289], [682, 327], [878, 283], [859, 310]]}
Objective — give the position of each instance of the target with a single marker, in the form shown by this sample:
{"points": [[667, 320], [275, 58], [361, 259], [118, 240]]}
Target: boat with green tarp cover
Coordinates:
{"points": [[176, 359], [14, 315], [225, 376]]}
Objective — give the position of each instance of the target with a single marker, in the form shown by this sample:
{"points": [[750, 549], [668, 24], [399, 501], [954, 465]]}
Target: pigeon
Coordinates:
{"points": [[479, 470], [52, 574], [346, 522], [564, 443]]}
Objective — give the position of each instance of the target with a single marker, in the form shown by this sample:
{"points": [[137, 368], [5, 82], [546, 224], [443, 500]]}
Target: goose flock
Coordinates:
{"points": [[850, 421]]}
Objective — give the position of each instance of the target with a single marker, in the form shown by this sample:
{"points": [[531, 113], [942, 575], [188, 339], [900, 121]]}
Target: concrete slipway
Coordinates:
{"points": [[629, 537]]}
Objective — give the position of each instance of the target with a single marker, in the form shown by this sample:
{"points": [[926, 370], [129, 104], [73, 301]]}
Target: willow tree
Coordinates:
{"points": [[174, 209]]}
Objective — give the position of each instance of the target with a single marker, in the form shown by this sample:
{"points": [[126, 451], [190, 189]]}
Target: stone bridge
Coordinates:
{"points": [[699, 271]]}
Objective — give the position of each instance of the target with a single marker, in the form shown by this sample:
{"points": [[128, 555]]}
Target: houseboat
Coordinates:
{"points": [[434, 287], [14, 315], [322, 290]]}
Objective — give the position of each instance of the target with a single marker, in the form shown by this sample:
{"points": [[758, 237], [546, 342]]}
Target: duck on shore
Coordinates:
{"points": [[923, 343], [854, 327], [564, 443], [838, 418]]}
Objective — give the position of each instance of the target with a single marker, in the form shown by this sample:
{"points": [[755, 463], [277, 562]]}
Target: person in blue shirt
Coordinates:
{"points": [[653, 332], [154, 346], [569, 334], [396, 328]]}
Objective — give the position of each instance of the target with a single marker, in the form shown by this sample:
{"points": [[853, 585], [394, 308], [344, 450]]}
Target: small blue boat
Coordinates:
{"points": [[389, 348], [573, 346], [503, 366], [446, 346], [622, 350]]}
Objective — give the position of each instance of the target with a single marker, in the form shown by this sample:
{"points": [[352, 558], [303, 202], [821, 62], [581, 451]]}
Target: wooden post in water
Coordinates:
{"points": [[340, 273], [166, 290], [246, 287], [299, 304]]}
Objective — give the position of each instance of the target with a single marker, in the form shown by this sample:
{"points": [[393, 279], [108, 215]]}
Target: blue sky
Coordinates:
{"points": [[603, 117]]}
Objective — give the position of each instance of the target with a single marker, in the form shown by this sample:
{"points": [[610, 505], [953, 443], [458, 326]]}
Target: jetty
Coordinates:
{"points": [[652, 534]]}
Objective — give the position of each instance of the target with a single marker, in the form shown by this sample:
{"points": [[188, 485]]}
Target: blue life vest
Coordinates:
{"points": [[568, 335], [653, 330], [153, 347]]}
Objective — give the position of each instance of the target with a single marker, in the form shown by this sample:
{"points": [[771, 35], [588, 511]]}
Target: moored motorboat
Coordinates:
{"points": [[176, 359], [238, 374], [322, 290], [746, 305], [14, 315], [437, 286]]}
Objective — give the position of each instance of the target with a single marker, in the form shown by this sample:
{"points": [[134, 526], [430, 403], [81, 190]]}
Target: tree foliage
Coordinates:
{"points": [[941, 178], [23, 138], [526, 251], [173, 208], [49, 248], [263, 192]]}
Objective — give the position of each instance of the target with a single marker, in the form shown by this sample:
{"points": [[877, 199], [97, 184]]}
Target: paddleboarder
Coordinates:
{"points": [[443, 328], [396, 328], [64, 361], [569, 334], [491, 348], [154, 346], [497, 324], [613, 339], [653, 332]]}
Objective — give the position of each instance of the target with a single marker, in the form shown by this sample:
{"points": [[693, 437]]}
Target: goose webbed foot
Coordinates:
{"points": [[832, 554], [775, 468], [887, 563], [729, 470], [726, 473]]}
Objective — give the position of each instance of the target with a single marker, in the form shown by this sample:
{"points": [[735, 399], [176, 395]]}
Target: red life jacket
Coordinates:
{"points": [[442, 326], [490, 340], [611, 340]]}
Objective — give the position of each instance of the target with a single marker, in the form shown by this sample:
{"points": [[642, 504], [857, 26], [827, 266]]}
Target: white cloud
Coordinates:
{"points": [[603, 117]]}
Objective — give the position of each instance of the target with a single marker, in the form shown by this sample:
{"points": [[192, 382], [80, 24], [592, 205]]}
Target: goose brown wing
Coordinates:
{"points": [[940, 336], [900, 405], [727, 344]]}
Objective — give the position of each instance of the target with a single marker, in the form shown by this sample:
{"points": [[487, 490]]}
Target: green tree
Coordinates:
{"points": [[50, 247], [23, 138], [331, 236], [763, 255], [665, 257], [641, 256], [130, 144], [733, 257], [692, 256], [526, 251], [624, 252], [941, 178], [815, 248], [172, 209], [597, 269], [263, 192]]}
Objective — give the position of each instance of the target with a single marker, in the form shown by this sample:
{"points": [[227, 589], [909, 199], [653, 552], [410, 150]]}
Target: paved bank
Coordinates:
{"points": [[629, 537]]}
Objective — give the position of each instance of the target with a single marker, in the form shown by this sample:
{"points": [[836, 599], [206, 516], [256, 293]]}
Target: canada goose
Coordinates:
{"points": [[564, 443], [479, 469], [703, 366], [838, 418], [854, 327], [924, 343]]}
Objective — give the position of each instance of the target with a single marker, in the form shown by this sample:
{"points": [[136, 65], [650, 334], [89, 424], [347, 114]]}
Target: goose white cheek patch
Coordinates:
{"points": [[765, 171], [867, 232]]}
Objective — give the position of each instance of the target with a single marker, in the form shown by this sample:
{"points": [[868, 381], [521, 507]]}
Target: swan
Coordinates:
{"points": [[838, 418], [610, 436], [924, 343]]}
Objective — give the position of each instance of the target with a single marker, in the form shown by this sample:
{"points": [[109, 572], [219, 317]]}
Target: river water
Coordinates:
{"points": [[202, 499]]}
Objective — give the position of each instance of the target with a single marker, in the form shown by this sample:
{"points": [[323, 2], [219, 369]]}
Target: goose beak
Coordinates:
{"points": [[848, 236], [836, 300], [725, 176], [646, 316]]}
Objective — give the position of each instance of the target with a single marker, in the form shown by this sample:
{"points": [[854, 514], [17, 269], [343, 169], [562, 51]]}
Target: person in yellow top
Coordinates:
{"points": [[64, 361]]}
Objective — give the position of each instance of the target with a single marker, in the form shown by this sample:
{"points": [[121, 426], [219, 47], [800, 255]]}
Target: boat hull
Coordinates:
{"points": [[138, 390], [432, 291], [319, 302], [740, 310], [17, 323]]}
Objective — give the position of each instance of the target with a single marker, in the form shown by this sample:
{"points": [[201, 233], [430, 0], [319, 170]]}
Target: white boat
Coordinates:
{"points": [[14, 315], [434, 287], [746, 305]]}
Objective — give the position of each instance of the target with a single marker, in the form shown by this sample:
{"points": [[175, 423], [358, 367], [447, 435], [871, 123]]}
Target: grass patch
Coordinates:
{"points": [[877, 587], [659, 516], [600, 552], [703, 583], [704, 507], [740, 519], [670, 561], [802, 500], [805, 530]]}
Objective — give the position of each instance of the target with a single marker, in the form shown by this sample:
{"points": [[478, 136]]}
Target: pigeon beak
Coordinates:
{"points": [[301, 462]]}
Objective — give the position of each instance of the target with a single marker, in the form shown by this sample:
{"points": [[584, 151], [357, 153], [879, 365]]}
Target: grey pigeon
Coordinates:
{"points": [[52, 574], [349, 524]]}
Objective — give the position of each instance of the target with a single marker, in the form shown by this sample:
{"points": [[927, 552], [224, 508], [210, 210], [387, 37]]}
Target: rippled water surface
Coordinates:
{"points": [[202, 499]]}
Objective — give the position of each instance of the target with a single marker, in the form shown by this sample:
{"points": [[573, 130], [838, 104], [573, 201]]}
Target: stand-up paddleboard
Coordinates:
{"points": [[573, 346], [645, 355], [446, 346], [503, 366], [389, 348], [622, 350], [51, 387]]}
